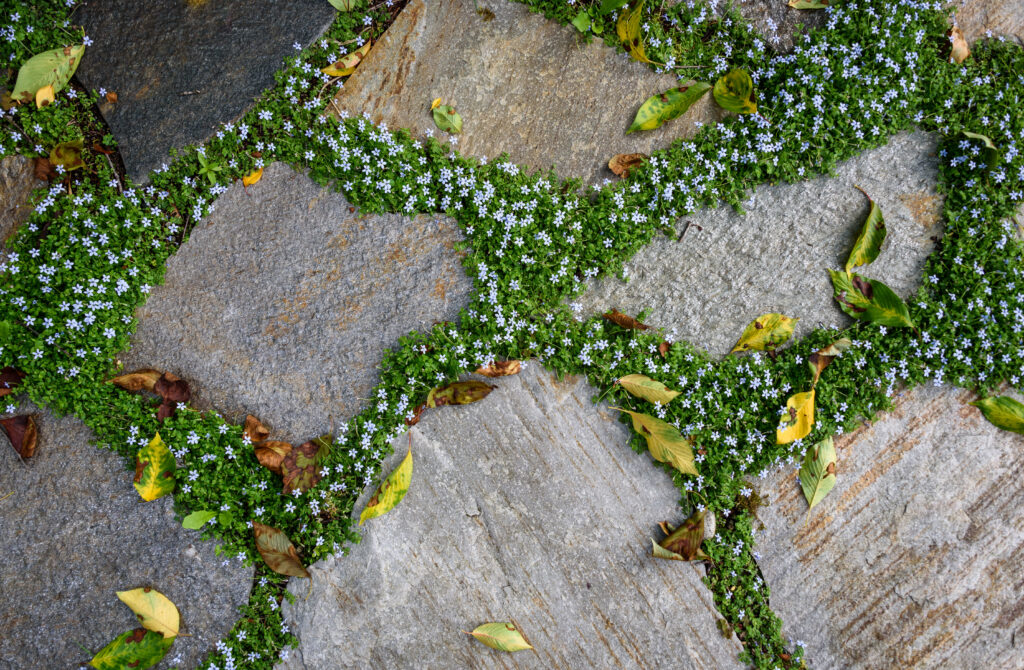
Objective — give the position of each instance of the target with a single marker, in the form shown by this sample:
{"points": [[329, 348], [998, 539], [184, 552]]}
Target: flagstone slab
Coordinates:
{"points": [[729, 268], [916, 557], [75, 531], [990, 18], [285, 297], [527, 506], [16, 184], [181, 68]]}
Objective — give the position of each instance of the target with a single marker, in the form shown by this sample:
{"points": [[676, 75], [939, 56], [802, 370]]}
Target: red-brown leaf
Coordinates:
{"points": [[254, 429], [624, 321], [21, 431]]}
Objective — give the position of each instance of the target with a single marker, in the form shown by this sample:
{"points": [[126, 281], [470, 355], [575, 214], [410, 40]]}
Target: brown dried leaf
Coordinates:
{"points": [[959, 51], [9, 378], [171, 388], [21, 431], [416, 414], [138, 380], [111, 97], [663, 348], [44, 170], [624, 321], [621, 164], [821, 359], [271, 454], [500, 369], [458, 393], [300, 467], [254, 429], [684, 542], [278, 551]]}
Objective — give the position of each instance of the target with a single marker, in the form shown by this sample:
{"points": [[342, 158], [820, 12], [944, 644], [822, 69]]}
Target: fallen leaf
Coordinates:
{"points": [[417, 412], [664, 348], [137, 649], [959, 51], [642, 386], [53, 69], [1003, 412], [766, 332], [254, 429], [809, 4], [447, 119], [45, 96], [154, 470], [349, 62], [664, 441], [796, 424], [872, 234], [197, 520], [485, 14], [43, 169], [98, 148], [818, 472], [111, 97], [628, 30], [271, 454], [68, 154], [144, 379], [500, 369], [391, 490], [623, 321], [344, 5], [434, 105], [502, 635], [823, 357], [22, 432], [300, 467], [734, 92], [173, 390], [621, 164], [683, 543], [869, 300], [666, 106], [458, 393], [154, 610], [252, 177], [9, 379], [277, 551], [989, 153]]}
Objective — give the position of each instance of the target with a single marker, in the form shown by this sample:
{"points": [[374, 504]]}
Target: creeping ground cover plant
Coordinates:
{"points": [[96, 244]]}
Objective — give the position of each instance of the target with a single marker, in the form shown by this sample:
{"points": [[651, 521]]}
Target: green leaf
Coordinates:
{"points": [[664, 442], [447, 119], [344, 5], [609, 6], [668, 105], [391, 490], [798, 420], [869, 300], [683, 543], [582, 21], [818, 472], [503, 636], [68, 154], [5, 332], [458, 393], [154, 470], [197, 520], [50, 68], [642, 386], [1003, 412], [869, 242], [812, 4], [628, 30], [137, 649], [978, 136], [155, 610], [734, 92], [990, 153], [765, 332], [277, 551]]}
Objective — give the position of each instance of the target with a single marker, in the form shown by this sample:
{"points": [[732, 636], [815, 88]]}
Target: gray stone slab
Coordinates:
{"points": [[181, 68], [527, 506], [284, 299], [729, 268], [990, 18], [916, 557], [75, 531], [16, 183], [777, 22]]}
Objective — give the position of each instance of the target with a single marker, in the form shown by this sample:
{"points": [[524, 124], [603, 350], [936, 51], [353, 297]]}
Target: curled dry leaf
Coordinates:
{"points": [[9, 379], [252, 177], [623, 321], [144, 379], [173, 390], [458, 393], [683, 543], [664, 348], [254, 429], [271, 454], [154, 470], [155, 611], [823, 357], [68, 154], [300, 467], [22, 432], [277, 551], [500, 369], [501, 635], [628, 30], [642, 386], [959, 51], [798, 420], [621, 164], [391, 490], [766, 332], [110, 97], [137, 649], [416, 414]]}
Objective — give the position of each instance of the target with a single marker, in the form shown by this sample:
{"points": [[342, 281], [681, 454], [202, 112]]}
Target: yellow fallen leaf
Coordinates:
{"points": [[155, 611], [391, 490], [348, 63], [796, 424], [434, 105], [252, 177], [45, 96]]}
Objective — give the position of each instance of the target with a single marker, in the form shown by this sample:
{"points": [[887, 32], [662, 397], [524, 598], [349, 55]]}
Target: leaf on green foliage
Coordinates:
{"points": [[300, 467], [345, 5], [683, 543], [798, 420], [155, 610], [628, 30], [1003, 412], [349, 62], [502, 635], [277, 551], [765, 332], [154, 470], [68, 154], [622, 164], [642, 386], [811, 4], [989, 153], [458, 393], [734, 92], [197, 520], [664, 441], [818, 472], [50, 68], [391, 490], [137, 649], [823, 357], [869, 300], [869, 242], [668, 105], [447, 119]]}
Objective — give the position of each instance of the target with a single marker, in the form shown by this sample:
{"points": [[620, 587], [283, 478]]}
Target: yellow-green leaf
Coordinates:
{"points": [[155, 611], [668, 105], [642, 386], [277, 551], [869, 242], [734, 92], [344, 5], [628, 30], [154, 470], [1003, 412], [503, 636], [68, 154], [766, 332], [664, 442], [869, 300], [683, 543], [458, 393], [811, 4], [197, 520], [137, 649], [447, 119], [798, 420], [349, 62], [818, 472], [391, 490], [50, 68]]}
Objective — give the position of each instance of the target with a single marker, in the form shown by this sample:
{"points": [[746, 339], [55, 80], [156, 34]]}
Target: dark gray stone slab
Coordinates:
{"points": [[16, 184], [75, 531], [181, 68], [284, 299]]}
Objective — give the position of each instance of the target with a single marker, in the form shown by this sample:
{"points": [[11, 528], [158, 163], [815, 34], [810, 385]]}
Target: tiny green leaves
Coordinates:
{"points": [[447, 119], [668, 105], [642, 386], [502, 635], [197, 520], [1003, 412], [818, 472], [277, 551], [869, 300], [734, 92], [155, 610], [869, 242], [391, 490], [137, 649], [664, 442], [765, 333], [682, 543], [798, 418], [154, 470], [52, 68]]}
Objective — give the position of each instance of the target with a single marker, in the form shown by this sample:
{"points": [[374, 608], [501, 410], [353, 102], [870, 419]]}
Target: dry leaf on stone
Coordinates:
{"points": [[823, 357], [1003, 412], [254, 429], [500, 369], [349, 62], [501, 635], [271, 454], [391, 490], [798, 420], [818, 472], [666, 106], [664, 441], [9, 379], [642, 386], [154, 470], [458, 393], [137, 649], [110, 97], [277, 551], [22, 432], [300, 467], [623, 321], [734, 92], [621, 164], [155, 611], [683, 543], [139, 380], [869, 243], [766, 332], [959, 51], [252, 177]]}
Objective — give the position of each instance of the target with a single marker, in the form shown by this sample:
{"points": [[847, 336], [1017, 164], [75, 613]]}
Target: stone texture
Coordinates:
{"points": [[16, 184], [75, 531], [730, 268], [779, 23], [916, 557], [284, 299], [181, 68], [528, 506], [1004, 18]]}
